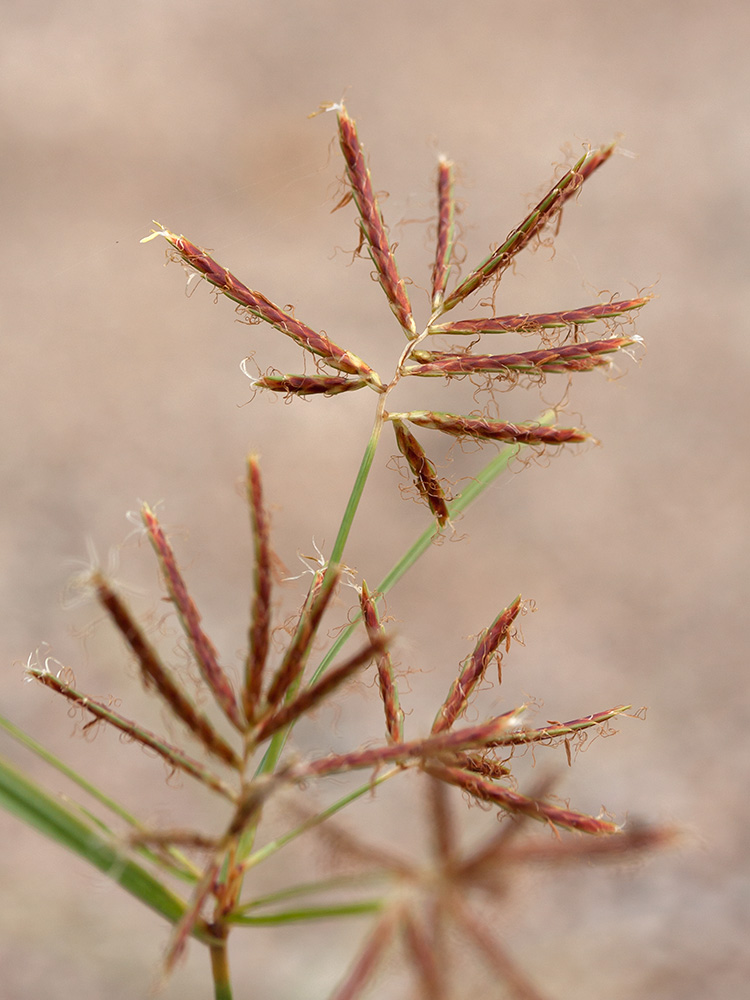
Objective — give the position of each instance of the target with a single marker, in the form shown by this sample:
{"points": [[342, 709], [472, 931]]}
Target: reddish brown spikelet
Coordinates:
{"points": [[440, 744], [531, 322], [293, 664], [425, 476], [308, 385], [175, 757], [372, 226], [316, 693], [445, 229], [568, 358], [369, 957], [394, 715], [203, 650], [513, 802], [259, 307], [494, 265], [559, 730], [260, 612], [156, 675], [484, 734], [479, 867], [492, 430], [474, 668]]}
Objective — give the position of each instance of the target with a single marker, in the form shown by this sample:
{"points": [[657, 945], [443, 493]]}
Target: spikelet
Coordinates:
{"points": [[313, 695], [513, 802], [292, 665], [439, 744], [174, 757], [492, 430], [371, 222], [445, 231], [493, 266], [474, 668], [258, 307], [308, 385], [260, 612], [425, 476], [568, 358], [201, 645], [532, 322], [394, 715], [155, 674]]}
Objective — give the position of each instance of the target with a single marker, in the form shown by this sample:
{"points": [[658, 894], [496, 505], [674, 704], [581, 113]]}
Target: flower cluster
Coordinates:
{"points": [[554, 356], [243, 755]]}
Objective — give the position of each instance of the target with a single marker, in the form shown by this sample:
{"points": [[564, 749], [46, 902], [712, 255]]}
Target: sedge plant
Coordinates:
{"points": [[201, 881]]}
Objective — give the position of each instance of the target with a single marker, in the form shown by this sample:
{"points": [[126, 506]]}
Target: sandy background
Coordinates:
{"points": [[117, 387]]}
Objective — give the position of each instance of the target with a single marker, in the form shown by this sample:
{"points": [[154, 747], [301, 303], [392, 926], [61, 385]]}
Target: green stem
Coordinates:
{"points": [[220, 970], [473, 491], [272, 754], [36, 748], [358, 488], [313, 913], [312, 888]]}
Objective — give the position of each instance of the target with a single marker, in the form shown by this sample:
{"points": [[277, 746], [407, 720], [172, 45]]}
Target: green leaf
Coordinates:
{"points": [[36, 807], [179, 864]]}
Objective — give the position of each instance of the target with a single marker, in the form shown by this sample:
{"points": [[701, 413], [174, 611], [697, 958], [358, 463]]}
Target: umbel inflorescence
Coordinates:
{"points": [[240, 750]]}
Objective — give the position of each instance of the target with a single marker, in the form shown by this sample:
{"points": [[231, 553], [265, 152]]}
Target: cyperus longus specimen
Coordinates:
{"points": [[239, 750]]}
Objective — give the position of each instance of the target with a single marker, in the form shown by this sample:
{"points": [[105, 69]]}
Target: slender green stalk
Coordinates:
{"points": [[220, 971], [309, 888], [271, 756], [312, 913], [358, 488], [495, 467]]}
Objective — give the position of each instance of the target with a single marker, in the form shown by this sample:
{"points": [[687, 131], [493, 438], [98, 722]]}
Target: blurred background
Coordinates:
{"points": [[118, 387]]}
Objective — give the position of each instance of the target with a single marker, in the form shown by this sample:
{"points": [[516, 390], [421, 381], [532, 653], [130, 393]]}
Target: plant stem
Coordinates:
{"points": [[272, 754], [479, 484], [358, 488], [311, 888], [356, 909], [220, 969]]}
